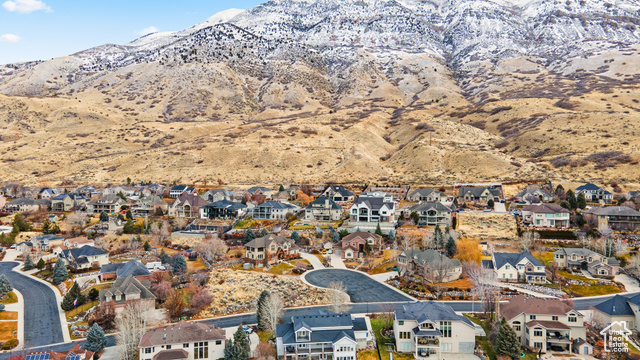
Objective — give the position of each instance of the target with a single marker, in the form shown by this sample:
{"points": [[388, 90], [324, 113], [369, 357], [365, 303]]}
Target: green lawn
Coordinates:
{"points": [[10, 299], [81, 308], [545, 257], [594, 290], [265, 335], [377, 325], [484, 343], [368, 355], [280, 268]]}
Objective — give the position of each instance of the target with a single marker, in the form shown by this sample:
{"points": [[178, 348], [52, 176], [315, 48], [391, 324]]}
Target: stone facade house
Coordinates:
{"points": [[323, 209], [429, 195], [431, 265], [517, 267], [184, 340], [125, 290], [619, 218], [534, 196], [432, 214], [594, 193], [267, 250], [323, 335], [478, 194], [432, 329], [187, 206], [338, 194], [549, 325], [110, 204], [273, 210], [86, 257], [585, 259], [352, 246], [213, 195]]}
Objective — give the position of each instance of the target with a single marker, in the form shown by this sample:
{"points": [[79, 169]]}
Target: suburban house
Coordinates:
{"points": [[429, 195], [119, 189], [594, 193], [546, 216], [259, 190], [549, 325], [88, 191], [149, 205], [618, 311], [431, 330], [517, 267], [76, 242], [110, 204], [338, 194], [267, 250], [371, 209], [273, 210], [281, 196], [43, 242], [432, 214], [352, 245], [431, 265], [478, 194], [86, 257], [125, 290], [223, 209], [75, 353], [396, 193], [180, 190], [122, 270], [187, 206], [26, 205], [47, 193], [323, 335], [580, 258], [633, 195], [619, 218], [184, 340], [323, 209], [24, 247], [68, 202], [534, 196], [213, 195]]}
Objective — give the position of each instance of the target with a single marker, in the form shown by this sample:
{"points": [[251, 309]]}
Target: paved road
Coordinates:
{"points": [[41, 319], [360, 287]]}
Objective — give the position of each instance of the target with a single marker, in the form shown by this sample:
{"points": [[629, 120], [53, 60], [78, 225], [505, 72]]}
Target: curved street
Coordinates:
{"points": [[41, 319], [360, 287]]}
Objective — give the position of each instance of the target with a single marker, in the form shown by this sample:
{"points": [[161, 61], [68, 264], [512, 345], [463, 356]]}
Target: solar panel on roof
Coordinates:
{"points": [[29, 357], [46, 356]]}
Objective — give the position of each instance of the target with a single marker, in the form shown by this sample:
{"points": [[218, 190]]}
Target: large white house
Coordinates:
{"points": [[546, 215], [430, 329], [323, 335], [372, 209], [184, 340], [516, 267], [550, 325]]}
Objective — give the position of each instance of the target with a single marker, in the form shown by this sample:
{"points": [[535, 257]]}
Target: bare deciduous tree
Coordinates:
{"points": [[208, 248], [160, 231], [337, 297], [131, 325], [441, 267], [529, 241], [484, 286], [272, 310]]}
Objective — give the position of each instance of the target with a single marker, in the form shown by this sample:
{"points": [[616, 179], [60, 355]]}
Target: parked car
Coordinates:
{"points": [[247, 329]]}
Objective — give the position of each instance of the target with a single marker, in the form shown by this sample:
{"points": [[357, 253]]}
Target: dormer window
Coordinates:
{"points": [[303, 335]]}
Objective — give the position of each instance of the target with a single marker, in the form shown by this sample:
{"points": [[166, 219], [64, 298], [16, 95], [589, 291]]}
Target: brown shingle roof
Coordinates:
{"points": [[556, 325], [545, 209], [173, 354], [520, 304], [182, 332]]}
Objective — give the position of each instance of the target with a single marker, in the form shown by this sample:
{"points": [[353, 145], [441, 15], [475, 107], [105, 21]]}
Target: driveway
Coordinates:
{"points": [[360, 287], [41, 318], [315, 262], [336, 262], [630, 284]]}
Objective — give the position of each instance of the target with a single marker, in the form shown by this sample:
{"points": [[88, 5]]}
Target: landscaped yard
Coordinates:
{"points": [[7, 329], [377, 325], [483, 341], [10, 299], [544, 256], [594, 290], [368, 355], [8, 315], [383, 268], [460, 283], [280, 269], [71, 313]]}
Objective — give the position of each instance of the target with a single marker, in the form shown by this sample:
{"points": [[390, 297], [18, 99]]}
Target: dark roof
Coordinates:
{"points": [[130, 268], [521, 304], [588, 187], [514, 258], [425, 192], [373, 203], [173, 354], [226, 204], [287, 333], [429, 256], [615, 306], [476, 191], [340, 190], [321, 201], [429, 311], [437, 206], [613, 210], [276, 205], [86, 250], [268, 239], [557, 325], [47, 237], [253, 189], [360, 324], [179, 188], [180, 333], [487, 264]]}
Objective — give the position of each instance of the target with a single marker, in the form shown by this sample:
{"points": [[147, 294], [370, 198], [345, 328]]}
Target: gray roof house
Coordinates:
{"points": [[594, 193], [429, 195], [273, 210], [534, 196], [432, 213], [122, 270], [323, 209], [85, 257], [125, 290], [432, 265], [581, 258], [338, 193], [478, 194], [616, 217], [516, 267], [322, 332]]}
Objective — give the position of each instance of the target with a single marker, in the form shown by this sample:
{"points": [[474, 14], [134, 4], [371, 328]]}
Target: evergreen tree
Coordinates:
{"points": [[367, 248], [281, 188], [28, 263], [5, 285], [438, 237], [104, 217], [242, 341], [146, 246], [1, 307], [564, 204], [46, 226], [73, 295], [129, 227], [582, 201], [378, 230], [129, 216], [121, 196], [179, 264], [40, 264], [262, 302], [295, 236], [571, 199], [249, 235], [3, 239], [392, 235], [451, 247], [93, 294], [60, 273], [491, 203], [54, 229], [96, 341], [264, 232], [343, 233], [21, 223], [415, 217], [507, 341], [234, 352], [164, 258]]}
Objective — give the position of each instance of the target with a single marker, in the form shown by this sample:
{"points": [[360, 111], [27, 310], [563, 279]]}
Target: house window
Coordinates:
{"points": [[573, 319], [537, 345], [201, 350], [147, 350], [218, 342], [537, 332], [185, 345], [401, 322], [446, 347], [404, 335], [168, 347], [516, 327], [554, 318], [532, 317], [507, 267], [445, 328]]}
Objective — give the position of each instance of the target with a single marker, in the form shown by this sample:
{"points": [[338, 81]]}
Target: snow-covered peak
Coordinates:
{"points": [[219, 18]]}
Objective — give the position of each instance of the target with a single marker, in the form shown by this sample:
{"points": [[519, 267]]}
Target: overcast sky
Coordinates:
{"points": [[41, 30]]}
